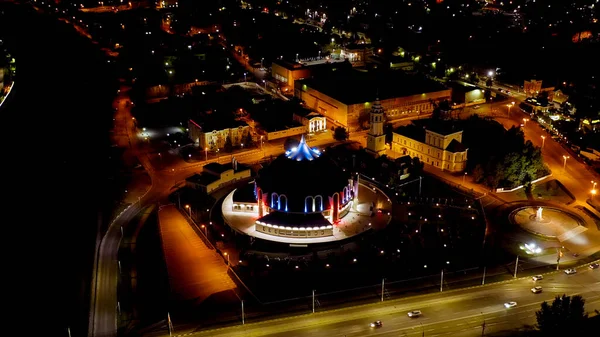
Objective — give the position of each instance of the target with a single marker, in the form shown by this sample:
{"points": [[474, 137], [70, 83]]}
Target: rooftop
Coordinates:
{"points": [[245, 194], [303, 152], [442, 128], [349, 87], [455, 146], [220, 168], [202, 179], [215, 123]]}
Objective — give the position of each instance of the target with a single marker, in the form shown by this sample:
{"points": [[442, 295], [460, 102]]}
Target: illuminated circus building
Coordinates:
{"points": [[304, 188]]}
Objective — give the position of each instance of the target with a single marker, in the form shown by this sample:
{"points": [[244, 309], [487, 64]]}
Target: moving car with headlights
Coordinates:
{"points": [[376, 324], [511, 304], [570, 271], [536, 290], [414, 313], [537, 277], [594, 265]]}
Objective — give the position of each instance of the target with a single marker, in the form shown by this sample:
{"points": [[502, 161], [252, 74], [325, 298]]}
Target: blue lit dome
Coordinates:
{"points": [[302, 181]]}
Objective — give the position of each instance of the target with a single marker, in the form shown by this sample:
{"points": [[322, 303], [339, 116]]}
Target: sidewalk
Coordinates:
{"points": [[196, 272]]}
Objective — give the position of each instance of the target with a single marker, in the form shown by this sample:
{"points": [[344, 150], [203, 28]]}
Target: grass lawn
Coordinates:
{"points": [[551, 190]]}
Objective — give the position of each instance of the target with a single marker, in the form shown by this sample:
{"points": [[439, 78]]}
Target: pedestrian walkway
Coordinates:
{"points": [[195, 271]]}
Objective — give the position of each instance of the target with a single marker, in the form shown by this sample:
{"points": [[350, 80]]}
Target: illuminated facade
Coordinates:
{"points": [[441, 148], [215, 137], [343, 105], [302, 193]]}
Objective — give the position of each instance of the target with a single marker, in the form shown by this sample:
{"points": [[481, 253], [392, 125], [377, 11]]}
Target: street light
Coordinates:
{"points": [[510, 106], [261, 142], [543, 141], [227, 258], [189, 209], [565, 162], [464, 177], [206, 153], [261, 63]]}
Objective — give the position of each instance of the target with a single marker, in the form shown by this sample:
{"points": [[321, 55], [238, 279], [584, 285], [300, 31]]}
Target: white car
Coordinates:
{"points": [[537, 277], [536, 290], [414, 313], [510, 304], [570, 271]]}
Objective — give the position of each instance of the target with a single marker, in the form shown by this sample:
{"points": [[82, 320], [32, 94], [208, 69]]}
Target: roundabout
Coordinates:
{"points": [[548, 221]]}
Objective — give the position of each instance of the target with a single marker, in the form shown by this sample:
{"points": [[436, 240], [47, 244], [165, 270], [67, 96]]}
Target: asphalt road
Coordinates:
{"points": [[460, 313]]}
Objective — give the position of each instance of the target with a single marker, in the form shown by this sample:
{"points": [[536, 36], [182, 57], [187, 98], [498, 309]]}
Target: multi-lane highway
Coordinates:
{"points": [[457, 313]]}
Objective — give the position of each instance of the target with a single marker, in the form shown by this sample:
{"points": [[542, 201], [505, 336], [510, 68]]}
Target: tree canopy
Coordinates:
{"points": [[501, 158], [566, 315], [340, 133]]}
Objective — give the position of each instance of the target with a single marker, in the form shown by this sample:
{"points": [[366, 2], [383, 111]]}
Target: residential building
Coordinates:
{"points": [[212, 134], [215, 176], [439, 145], [346, 99]]}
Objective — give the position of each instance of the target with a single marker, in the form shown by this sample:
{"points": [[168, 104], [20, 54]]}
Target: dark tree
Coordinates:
{"points": [[566, 315], [290, 143], [228, 145], [340, 134], [488, 82], [249, 142]]}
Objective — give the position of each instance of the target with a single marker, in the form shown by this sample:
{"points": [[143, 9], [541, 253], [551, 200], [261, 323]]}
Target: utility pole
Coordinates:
{"points": [[69, 331], [483, 279], [243, 319], [558, 258], [178, 200], [382, 288], [420, 178], [482, 325], [313, 301], [442, 281], [516, 266]]}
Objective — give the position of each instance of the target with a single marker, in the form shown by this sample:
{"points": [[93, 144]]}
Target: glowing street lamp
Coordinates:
{"points": [[206, 153], [510, 106], [226, 254], [543, 141], [565, 162], [189, 209]]}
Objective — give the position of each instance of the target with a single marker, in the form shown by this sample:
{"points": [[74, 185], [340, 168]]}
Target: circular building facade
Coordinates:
{"points": [[302, 194]]}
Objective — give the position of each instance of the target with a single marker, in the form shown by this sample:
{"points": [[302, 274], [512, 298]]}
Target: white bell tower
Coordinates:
{"points": [[376, 136]]}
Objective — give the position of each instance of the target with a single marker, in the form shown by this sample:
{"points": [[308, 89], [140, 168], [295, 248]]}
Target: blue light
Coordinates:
{"points": [[303, 152]]}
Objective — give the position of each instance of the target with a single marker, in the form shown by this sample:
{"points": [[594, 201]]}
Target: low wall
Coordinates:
{"points": [[502, 190], [295, 232]]}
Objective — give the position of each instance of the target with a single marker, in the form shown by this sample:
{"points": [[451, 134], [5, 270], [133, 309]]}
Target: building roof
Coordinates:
{"points": [[305, 173], [245, 194], [456, 146], [412, 131], [303, 152], [202, 179], [442, 128], [295, 219], [220, 168], [463, 86], [217, 124], [349, 87]]}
